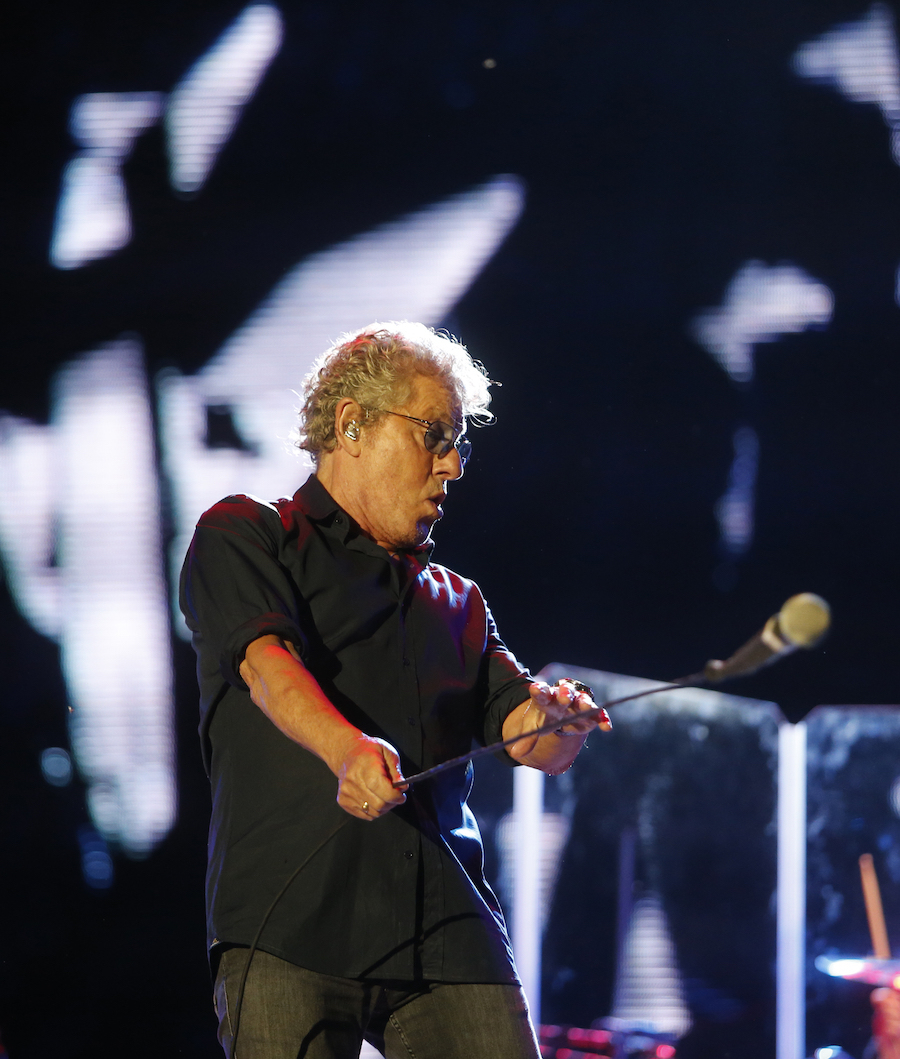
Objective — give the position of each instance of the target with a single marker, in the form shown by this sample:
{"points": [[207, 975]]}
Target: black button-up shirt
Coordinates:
{"points": [[406, 650]]}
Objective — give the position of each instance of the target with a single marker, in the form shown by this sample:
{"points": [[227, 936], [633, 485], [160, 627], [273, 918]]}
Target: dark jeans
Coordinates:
{"points": [[292, 1013]]}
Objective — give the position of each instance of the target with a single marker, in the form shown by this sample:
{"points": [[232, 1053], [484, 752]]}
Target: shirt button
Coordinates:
{"points": [[338, 520], [406, 661], [411, 721], [408, 854]]}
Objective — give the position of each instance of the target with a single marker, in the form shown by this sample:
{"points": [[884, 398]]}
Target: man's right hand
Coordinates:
{"points": [[366, 777], [288, 694]]}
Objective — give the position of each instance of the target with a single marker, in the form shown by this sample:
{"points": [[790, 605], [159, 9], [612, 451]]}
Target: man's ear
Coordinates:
{"points": [[348, 422]]}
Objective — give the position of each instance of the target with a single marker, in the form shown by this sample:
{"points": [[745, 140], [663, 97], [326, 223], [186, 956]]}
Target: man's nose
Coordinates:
{"points": [[451, 466]]}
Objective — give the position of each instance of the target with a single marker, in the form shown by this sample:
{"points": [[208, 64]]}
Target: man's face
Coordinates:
{"points": [[402, 485]]}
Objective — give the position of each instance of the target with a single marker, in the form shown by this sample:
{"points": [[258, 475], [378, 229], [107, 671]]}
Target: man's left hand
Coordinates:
{"points": [[562, 700], [553, 752]]}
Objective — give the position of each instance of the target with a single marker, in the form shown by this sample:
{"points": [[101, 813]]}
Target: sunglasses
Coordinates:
{"points": [[440, 437]]}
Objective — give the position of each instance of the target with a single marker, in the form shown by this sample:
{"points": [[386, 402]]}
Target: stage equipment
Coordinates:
{"points": [[878, 969], [607, 1037], [881, 948]]}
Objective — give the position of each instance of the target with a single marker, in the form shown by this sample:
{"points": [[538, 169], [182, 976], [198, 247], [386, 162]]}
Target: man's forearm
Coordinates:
{"points": [[290, 696]]}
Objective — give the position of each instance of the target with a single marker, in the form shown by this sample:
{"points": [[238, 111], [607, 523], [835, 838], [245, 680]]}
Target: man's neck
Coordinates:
{"points": [[328, 473]]}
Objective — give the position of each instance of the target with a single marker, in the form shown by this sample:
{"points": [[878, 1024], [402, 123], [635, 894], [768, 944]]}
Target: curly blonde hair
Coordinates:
{"points": [[376, 367]]}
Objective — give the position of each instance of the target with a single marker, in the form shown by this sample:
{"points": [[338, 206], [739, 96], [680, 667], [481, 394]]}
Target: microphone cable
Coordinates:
{"points": [[239, 1001]]}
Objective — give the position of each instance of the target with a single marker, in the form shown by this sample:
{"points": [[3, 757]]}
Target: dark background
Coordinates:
{"points": [[662, 146]]}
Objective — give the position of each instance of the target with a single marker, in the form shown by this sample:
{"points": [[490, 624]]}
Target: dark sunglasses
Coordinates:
{"points": [[440, 437]]}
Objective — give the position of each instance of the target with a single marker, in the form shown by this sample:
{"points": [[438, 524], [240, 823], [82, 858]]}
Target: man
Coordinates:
{"points": [[334, 659]]}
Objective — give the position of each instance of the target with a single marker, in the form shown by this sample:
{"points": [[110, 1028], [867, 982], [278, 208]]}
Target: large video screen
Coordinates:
{"points": [[672, 234]]}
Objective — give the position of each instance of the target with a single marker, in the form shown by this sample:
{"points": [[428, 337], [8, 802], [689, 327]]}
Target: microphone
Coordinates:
{"points": [[801, 622]]}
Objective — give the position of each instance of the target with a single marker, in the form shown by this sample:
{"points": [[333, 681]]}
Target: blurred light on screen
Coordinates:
{"points": [[101, 592], [80, 525], [27, 541], [760, 305], [205, 107], [648, 988], [554, 836], [734, 510], [96, 863], [414, 268], [93, 219], [860, 60], [56, 766], [846, 968]]}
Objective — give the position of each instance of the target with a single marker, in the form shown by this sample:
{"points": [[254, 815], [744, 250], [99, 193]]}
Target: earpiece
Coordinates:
{"points": [[352, 431]]}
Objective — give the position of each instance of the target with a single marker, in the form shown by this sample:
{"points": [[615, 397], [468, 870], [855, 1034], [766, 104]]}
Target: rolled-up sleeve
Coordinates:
{"points": [[234, 589]]}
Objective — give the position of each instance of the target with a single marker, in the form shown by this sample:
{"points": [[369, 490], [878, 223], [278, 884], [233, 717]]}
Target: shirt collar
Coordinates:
{"points": [[317, 503], [321, 507]]}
